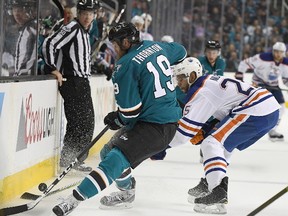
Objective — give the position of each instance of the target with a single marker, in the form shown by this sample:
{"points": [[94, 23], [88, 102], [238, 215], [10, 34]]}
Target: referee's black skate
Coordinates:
{"points": [[214, 202], [122, 199], [198, 191], [80, 169], [66, 206]]}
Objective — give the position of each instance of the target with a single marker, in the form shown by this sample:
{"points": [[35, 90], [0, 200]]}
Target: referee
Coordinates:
{"points": [[67, 56], [25, 53]]}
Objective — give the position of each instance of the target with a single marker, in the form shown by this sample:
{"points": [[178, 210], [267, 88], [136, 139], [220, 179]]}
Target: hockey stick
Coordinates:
{"points": [[268, 202], [25, 207], [59, 6], [274, 88], [31, 196], [284, 89], [114, 21]]}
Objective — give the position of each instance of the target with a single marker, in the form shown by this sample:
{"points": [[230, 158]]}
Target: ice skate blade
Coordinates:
{"points": [[218, 208], [117, 207], [276, 139], [191, 199]]}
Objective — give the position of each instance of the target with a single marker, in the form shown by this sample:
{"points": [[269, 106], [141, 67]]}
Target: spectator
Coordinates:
{"points": [[232, 62], [145, 31]]}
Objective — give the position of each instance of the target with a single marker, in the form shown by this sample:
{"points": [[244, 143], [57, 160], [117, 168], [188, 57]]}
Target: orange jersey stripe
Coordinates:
{"points": [[188, 128], [215, 164], [257, 96], [221, 133]]}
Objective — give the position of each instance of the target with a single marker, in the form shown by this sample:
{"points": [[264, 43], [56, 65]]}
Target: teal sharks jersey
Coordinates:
{"points": [[143, 85], [217, 69]]}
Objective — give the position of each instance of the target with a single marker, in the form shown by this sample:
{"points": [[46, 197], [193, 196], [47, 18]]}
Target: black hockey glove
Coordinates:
{"points": [[208, 126], [239, 76], [101, 69], [108, 72], [113, 120]]}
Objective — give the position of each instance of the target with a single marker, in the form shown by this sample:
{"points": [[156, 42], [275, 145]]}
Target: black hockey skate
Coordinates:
{"points": [[275, 136], [214, 202], [122, 199], [198, 191], [82, 167]]}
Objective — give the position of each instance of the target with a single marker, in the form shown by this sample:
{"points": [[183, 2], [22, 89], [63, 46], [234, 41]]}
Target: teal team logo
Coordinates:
{"points": [[1, 101]]}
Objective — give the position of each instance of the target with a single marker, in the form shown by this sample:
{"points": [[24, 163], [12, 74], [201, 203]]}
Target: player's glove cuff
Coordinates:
{"points": [[113, 120], [198, 138]]}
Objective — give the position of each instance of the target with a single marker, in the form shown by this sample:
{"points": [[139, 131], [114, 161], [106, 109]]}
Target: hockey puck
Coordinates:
{"points": [[42, 187]]}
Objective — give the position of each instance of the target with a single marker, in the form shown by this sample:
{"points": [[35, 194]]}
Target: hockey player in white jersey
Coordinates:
{"points": [[268, 68], [245, 113]]}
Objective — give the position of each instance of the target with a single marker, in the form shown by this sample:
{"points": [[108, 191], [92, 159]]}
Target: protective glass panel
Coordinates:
{"points": [[19, 36]]}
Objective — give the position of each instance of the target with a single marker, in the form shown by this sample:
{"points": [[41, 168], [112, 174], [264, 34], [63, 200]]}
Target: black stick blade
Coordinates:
{"points": [[29, 196], [13, 210]]}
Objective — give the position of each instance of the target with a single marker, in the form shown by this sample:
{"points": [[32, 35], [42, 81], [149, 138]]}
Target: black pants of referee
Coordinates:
{"points": [[79, 112]]}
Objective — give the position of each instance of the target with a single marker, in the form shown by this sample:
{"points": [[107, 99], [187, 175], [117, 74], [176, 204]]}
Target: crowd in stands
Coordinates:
{"points": [[258, 32], [239, 38]]}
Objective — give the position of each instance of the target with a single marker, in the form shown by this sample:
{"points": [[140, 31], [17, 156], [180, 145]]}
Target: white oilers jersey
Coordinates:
{"points": [[219, 96], [266, 70]]}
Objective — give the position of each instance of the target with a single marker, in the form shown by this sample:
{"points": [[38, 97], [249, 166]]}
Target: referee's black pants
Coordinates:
{"points": [[79, 112]]}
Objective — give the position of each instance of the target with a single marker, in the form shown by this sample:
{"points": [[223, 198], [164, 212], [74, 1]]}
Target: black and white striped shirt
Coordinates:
{"points": [[25, 55], [68, 51]]}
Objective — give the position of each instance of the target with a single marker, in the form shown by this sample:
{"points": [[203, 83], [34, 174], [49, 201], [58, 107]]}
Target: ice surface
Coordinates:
{"points": [[255, 175]]}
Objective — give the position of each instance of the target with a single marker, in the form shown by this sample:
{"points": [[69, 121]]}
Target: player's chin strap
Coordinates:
{"points": [[188, 78]]}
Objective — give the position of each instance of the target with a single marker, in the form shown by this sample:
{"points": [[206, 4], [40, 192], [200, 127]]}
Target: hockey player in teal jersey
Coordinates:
{"points": [[212, 62], [147, 114]]}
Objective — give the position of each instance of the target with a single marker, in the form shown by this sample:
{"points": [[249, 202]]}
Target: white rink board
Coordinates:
{"points": [[255, 175], [32, 120], [27, 124]]}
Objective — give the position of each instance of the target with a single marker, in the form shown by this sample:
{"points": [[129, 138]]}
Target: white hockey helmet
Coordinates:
{"points": [[137, 19], [279, 46], [167, 38], [187, 66]]}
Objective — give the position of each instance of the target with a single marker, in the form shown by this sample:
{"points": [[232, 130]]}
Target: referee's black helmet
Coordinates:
{"points": [[88, 5]]}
